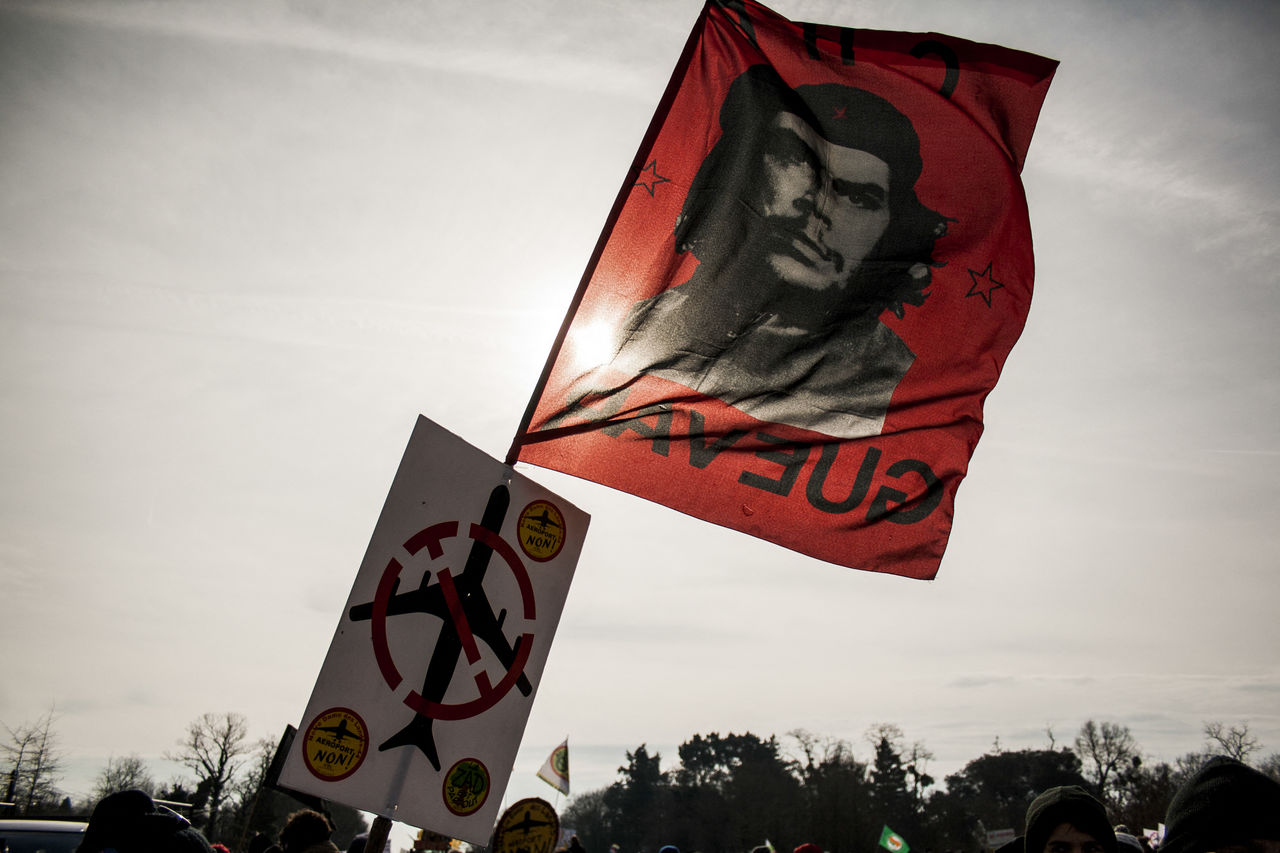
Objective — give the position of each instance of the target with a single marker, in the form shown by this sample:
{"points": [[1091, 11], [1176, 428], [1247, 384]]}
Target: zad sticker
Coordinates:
{"points": [[466, 787]]}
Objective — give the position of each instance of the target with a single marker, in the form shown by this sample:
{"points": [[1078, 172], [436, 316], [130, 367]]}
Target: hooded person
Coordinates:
{"points": [[1074, 807], [1070, 819], [131, 822], [1225, 806]]}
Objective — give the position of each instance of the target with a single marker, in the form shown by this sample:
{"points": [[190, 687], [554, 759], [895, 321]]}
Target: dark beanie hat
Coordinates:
{"points": [[1224, 803], [130, 822], [1067, 804]]}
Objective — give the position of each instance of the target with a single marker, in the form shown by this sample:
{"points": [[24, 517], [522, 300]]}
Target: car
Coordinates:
{"points": [[41, 836]]}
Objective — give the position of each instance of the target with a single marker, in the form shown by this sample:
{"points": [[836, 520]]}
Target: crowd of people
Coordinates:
{"points": [[1227, 807], [132, 822]]}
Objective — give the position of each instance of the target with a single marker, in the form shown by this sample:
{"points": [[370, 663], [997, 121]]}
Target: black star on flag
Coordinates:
{"points": [[653, 180], [983, 284]]}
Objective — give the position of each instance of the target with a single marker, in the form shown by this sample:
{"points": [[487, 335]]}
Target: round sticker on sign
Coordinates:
{"points": [[541, 531], [466, 787], [335, 744], [529, 826]]}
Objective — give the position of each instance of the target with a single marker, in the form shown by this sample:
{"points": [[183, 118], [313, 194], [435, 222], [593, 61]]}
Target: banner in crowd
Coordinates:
{"points": [[555, 770], [816, 269], [893, 842]]}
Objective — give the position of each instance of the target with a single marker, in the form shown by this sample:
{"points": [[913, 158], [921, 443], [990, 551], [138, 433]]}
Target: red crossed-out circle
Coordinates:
{"points": [[432, 538]]}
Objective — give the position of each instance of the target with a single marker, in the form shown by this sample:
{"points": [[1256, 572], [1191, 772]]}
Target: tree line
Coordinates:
{"points": [[729, 794], [726, 794], [227, 795]]}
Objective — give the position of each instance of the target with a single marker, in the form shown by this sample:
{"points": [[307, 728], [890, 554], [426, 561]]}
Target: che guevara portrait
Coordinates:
{"points": [[807, 230]]}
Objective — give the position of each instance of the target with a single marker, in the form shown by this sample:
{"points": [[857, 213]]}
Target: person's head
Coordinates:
{"points": [[303, 829], [1227, 807], [131, 822], [1068, 819], [821, 180]]}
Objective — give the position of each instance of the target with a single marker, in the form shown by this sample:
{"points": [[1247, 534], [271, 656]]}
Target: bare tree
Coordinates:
{"points": [[249, 789], [1105, 749], [818, 750], [917, 760], [33, 764], [890, 732], [1235, 741], [212, 749], [123, 774]]}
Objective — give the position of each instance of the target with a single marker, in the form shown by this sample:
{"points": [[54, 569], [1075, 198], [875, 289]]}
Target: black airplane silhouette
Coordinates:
{"points": [[544, 521], [527, 823], [480, 619], [340, 731]]}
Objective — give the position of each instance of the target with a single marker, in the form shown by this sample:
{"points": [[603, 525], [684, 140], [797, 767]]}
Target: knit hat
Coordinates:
{"points": [[1224, 803], [1067, 804], [130, 822], [808, 847]]}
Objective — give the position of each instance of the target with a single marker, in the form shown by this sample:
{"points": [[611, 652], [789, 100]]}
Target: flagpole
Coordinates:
{"points": [[650, 136]]}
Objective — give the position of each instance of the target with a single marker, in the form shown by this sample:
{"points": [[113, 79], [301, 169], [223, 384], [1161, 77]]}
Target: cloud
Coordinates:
{"points": [[1185, 143], [461, 41]]}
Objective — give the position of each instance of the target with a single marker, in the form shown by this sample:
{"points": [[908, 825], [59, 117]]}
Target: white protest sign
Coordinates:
{"points": [[1000, 837], [423, 697]]}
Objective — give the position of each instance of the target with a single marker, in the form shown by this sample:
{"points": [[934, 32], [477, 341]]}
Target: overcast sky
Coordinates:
{"points": [[243, 245]]}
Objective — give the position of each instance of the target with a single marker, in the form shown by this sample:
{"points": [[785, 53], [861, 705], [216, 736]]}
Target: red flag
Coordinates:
{"points": [[808, 286]]}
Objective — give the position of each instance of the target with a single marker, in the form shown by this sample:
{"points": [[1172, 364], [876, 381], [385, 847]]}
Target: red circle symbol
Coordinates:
{"points": [[432, 538]]}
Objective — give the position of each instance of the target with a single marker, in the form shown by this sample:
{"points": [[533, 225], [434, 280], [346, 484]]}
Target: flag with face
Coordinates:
{"points": [[809, 284]]}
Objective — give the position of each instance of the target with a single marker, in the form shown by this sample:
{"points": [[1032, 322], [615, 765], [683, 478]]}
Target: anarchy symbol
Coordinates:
{"points": [[464, 607]]}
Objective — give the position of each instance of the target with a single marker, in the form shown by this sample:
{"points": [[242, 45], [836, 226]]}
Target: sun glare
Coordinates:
{"points": [[591, 346]]}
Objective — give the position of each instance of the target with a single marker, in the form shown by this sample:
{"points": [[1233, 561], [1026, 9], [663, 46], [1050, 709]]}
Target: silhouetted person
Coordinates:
{"points": [[307, 831], [1066, 819], [1225, 807], [131, 822]]}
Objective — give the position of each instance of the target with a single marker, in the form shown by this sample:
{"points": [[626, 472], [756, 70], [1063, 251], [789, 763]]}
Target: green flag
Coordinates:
{"points": [[893, 842]]}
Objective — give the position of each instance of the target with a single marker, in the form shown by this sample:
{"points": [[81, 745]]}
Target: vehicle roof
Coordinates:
{"points": [[43, 825]]}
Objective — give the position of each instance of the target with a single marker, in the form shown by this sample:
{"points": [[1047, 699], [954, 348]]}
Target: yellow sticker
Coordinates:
{"points": [[529, 826], [466, 787], [541, 530], [335, 744]]}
